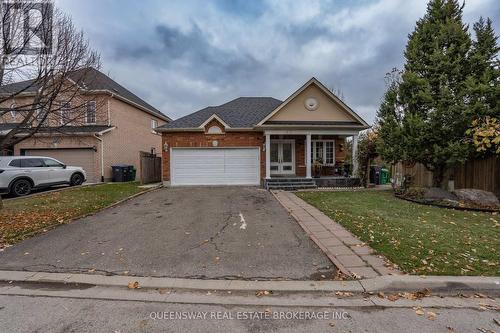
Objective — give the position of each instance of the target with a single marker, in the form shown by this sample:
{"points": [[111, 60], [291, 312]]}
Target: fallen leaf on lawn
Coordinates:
{"points": [[133, 285], [332, 323], [431, 315], [92, 270], [380, 294]]}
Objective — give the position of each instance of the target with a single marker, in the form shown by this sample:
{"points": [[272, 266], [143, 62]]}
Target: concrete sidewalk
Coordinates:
{"points": [[348, 253], [445, 285]]}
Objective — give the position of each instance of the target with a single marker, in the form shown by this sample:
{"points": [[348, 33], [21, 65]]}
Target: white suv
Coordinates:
{"points": [[20, 174]]}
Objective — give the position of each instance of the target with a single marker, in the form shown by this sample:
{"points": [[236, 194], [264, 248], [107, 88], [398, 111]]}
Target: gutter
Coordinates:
{"points": [[97, 136]]}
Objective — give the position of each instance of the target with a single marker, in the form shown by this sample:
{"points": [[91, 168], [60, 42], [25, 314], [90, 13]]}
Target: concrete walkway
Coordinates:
{"points": [[348, 253]]}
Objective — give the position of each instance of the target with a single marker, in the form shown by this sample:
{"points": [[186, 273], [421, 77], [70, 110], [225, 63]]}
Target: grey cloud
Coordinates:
{"points": [[206, 56]]}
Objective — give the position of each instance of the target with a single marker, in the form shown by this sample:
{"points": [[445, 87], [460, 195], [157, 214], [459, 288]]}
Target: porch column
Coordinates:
{"points": [[308, 156], [268, 156], [354, 155]]}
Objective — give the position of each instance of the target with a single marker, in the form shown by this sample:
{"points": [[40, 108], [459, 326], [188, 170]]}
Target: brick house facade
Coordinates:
{"points": [[123, 126], [251, 139]]}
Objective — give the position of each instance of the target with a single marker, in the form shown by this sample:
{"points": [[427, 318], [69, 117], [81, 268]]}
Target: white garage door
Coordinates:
{"points": [[215, 166], [75, 157]]}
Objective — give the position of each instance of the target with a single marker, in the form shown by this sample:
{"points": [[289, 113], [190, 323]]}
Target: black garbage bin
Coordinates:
{"points": [[120, 172], [375, 174]]}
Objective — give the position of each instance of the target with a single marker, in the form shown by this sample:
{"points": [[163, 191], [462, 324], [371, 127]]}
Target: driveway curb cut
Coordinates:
{"points": [[403, 283]]}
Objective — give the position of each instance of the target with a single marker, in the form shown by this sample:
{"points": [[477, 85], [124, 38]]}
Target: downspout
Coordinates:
{"points": [[102, 156]]}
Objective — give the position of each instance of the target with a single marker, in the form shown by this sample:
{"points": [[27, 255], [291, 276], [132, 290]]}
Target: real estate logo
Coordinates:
{"points": [[26, 27]]}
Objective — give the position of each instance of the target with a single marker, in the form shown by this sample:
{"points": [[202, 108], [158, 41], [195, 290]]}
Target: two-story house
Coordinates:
{"points": [[114, 127]]}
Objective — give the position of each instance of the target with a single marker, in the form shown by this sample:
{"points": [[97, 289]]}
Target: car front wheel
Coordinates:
{"points": [[21, 187], [76, 179]]}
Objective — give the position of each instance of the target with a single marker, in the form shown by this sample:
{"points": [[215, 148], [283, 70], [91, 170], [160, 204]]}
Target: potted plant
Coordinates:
{"points": [[317, 167]]}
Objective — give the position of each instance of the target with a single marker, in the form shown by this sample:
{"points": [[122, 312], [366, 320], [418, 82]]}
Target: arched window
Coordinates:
{"points": [[214, 130]]}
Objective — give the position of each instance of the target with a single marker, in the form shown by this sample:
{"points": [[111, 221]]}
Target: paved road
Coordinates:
{"points": [[213, 232], [52, 314]]}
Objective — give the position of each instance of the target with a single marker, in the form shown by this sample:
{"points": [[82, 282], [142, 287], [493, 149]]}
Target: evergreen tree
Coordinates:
{"points": [[483, 81], [431, 97]]}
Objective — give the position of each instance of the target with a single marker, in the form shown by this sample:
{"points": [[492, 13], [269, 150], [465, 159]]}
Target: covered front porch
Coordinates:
{"points": [[310, 154]]}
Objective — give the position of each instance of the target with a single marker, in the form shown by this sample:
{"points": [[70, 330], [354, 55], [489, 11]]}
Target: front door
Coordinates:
{"points": [[283, 157]]}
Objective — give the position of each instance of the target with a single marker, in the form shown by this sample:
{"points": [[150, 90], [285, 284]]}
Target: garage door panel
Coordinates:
{"points": [[218, 166]]}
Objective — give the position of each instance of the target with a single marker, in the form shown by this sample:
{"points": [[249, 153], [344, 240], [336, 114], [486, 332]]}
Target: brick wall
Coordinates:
{"points": [[133, 134]]}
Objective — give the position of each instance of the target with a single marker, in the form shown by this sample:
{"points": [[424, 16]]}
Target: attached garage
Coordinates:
{"points": [[215, 166], [82, 157]]}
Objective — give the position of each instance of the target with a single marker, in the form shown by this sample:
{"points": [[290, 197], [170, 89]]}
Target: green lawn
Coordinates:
{"points": [[25, 217], [420, 239]]}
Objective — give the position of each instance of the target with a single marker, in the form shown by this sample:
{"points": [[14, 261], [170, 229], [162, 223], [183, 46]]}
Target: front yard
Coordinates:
{"points": [[420, 239], [25, 217]]}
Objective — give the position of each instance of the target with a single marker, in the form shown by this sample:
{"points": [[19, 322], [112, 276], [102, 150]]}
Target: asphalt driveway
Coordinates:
{"points": [[207, 232]]}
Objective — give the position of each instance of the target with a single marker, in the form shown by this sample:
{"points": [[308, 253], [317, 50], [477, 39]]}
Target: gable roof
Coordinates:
{"points": [[250, 112], [91, 80], [314, 81], [242, 112]]}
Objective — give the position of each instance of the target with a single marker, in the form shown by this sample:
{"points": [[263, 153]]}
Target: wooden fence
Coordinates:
{"points": [[483, 174], [150, 168]]}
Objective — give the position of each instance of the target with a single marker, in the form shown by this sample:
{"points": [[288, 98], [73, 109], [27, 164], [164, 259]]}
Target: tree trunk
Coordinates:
{"points": [[437, 176]]}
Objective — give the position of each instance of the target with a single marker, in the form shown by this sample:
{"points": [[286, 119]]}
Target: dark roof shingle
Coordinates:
{"points": [[242, 112]]}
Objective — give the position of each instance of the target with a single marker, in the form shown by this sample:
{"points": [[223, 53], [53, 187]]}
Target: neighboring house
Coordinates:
{"points": [[250, 139], [114, 128]]}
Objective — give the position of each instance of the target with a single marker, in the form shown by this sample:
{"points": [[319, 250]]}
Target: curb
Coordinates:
{"points": [[404, 283]]}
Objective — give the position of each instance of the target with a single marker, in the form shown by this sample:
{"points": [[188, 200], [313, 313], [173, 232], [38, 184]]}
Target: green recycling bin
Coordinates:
{"points": [[132, 174], [384, 176]]}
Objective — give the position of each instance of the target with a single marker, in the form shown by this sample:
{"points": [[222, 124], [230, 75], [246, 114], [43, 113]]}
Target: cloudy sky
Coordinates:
{"points": [[184, 55]]}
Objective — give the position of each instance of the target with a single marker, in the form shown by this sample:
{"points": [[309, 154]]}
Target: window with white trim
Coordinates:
{"points": [[90, 112], [13, 111], [65, 109], [39, 114], [154, 124], [324, 151]]}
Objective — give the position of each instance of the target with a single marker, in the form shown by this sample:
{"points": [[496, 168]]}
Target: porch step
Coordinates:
{"points": [[291, 187], [290, 184], [288, 180]]}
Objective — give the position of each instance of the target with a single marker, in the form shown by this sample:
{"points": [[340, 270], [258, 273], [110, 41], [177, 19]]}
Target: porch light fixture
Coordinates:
{"points": [[311, 104], [165, 147], [215, 143]]}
